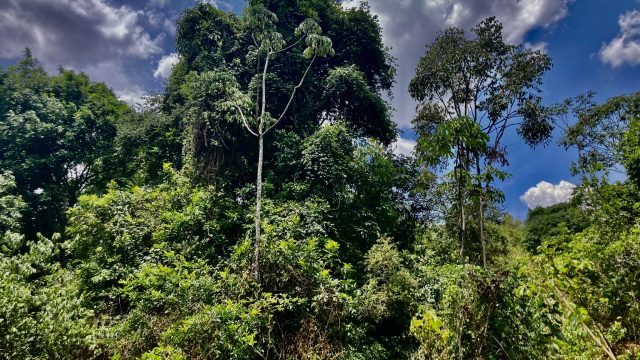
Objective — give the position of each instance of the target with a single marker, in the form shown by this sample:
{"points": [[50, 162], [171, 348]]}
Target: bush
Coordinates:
{"points": [[110, 237]]}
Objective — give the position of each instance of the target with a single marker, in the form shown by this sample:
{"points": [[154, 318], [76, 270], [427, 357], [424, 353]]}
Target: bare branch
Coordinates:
{"points": [[290, 46], [244, 121], [293, 93]]}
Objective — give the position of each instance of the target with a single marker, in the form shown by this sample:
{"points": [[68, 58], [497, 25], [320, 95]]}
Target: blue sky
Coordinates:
{"points": [[574, 43], [595, 45]]}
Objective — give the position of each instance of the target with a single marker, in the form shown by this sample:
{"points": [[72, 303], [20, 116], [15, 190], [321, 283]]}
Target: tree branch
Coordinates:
{"points": [[290, 46], [244, 121], [293, 93]]}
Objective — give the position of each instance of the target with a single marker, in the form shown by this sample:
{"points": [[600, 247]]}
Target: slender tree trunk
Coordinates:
{"points": [[263, 128], [261, 131], [256, 265], [481, 213]]}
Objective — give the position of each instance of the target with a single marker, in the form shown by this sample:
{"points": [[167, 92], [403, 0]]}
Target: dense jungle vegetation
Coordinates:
{"points": [[255, 208]]}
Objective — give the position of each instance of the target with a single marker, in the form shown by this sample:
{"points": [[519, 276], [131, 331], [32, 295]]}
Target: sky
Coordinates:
{"points": [[129, 45]]}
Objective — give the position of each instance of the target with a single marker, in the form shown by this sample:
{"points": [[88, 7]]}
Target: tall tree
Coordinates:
{"points": [[56, 137], [268, 44], [496, 85], [346, 87]]}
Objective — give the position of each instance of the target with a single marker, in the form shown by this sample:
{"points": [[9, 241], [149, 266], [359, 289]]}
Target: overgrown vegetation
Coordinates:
{"points": [[129, 234]]}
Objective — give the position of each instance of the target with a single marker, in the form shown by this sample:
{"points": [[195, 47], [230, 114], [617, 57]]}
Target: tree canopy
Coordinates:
{"points": [[254, 209]]}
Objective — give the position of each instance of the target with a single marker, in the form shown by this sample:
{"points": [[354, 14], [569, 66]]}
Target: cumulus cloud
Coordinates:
{"points": [[410, 24], [625, 48], [72, 32], [132, 96], [165, 65], [546, 194], [404, 146], [94, 36]]}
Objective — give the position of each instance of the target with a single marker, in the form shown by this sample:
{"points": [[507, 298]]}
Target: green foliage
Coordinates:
{"points": [[630, 153], [349, 98], [472, 76], [56, 136], [439, 148], [546, 222], [598, 272], [41, 305], [359, 255], [326, 157], [11, 207], [42, 313], [598, 131], [145, 140], [470, 91], [205, 27], [222, 331], [211, 99], [110, 236], [211, 40], [387, 299], [176, 308], [370, 192]]}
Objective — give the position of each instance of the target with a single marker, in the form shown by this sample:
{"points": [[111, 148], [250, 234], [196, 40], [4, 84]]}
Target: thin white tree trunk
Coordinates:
{"points": [[256, 260], [263, 110], [263, 128]]}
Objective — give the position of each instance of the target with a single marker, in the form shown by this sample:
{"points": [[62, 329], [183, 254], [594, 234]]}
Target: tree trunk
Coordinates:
{"points": [[263, 128], [261, 131], [256, 265]]}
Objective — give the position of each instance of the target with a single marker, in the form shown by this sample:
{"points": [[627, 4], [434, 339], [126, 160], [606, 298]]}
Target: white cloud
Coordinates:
{"points": [[408, 25], [625, 48], [220, 4], [538, 46], [404, 146], [158, 3], [170, 26], [546, 194], [114, 74], [165, 65], [132, 96], [520, 17], [70, 32], [94, 36]]}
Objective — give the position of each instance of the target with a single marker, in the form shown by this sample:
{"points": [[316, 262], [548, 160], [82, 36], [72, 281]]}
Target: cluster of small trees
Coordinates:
{"points": [[256, 210]]}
